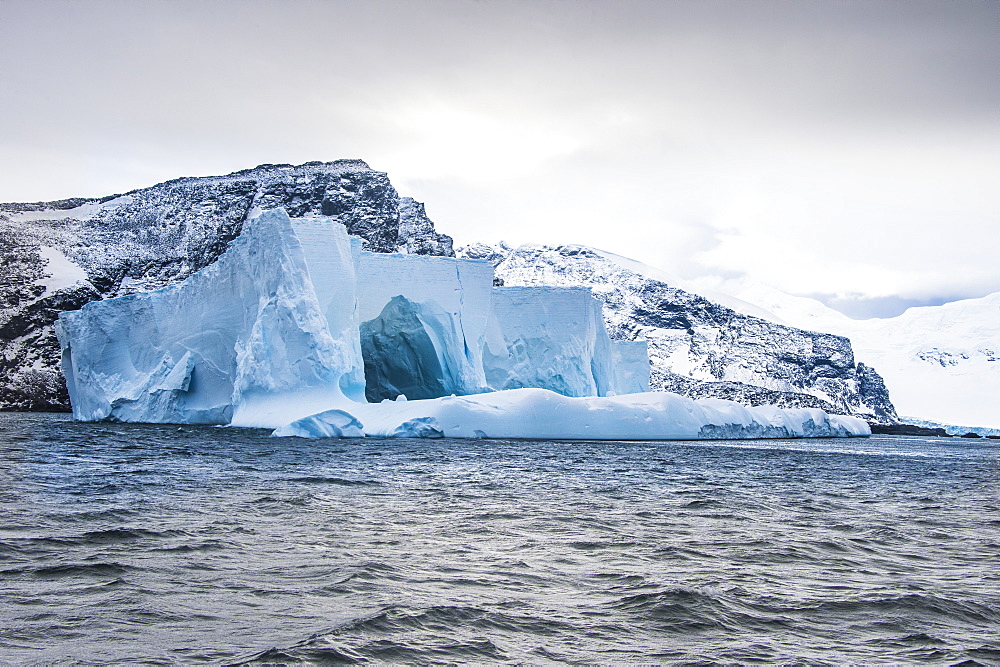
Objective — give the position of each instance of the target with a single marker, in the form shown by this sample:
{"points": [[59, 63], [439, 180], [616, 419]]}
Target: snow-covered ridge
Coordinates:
{"points": [[273, 335], [659, 275], [155, 237], [941, 363]]}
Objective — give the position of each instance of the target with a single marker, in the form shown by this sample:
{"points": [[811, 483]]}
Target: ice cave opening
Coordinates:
{"points": [[401, 357]]}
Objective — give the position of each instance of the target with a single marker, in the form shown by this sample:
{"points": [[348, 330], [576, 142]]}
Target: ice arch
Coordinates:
{"points": [[409, 349]]}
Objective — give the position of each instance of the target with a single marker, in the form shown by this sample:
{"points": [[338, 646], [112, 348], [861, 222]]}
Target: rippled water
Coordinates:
{"points": [[159, 543]]}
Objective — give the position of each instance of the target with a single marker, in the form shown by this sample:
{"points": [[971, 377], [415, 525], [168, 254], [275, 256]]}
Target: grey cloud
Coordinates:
{"points": [[861, 307], [648, 117]]}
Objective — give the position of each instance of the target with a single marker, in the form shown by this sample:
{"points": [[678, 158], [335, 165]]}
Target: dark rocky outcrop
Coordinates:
{"points": [[908, 429], [750, 395], [872, 392]]}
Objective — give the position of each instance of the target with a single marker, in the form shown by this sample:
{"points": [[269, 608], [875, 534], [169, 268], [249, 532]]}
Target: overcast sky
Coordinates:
{"points": [[846, 149]]}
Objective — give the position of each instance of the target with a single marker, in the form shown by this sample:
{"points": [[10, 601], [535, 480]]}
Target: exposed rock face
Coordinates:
{"points": [[30, 378], [873, 393], [157, 236], [416, 232], [700, 348], [746, 394]]}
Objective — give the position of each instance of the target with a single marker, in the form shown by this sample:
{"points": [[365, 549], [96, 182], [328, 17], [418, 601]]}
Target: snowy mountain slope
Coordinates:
{"points": [[157, 236], [60, 255], [659, 275], [940, 363], [699, 347]]}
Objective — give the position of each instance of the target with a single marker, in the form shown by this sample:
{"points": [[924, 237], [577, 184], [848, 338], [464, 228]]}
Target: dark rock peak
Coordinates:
{"points": [[873, 392], [261, 171], [416, 231]]}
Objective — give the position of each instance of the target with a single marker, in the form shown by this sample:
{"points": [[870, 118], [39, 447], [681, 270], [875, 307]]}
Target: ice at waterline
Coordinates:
{"points": [[295, 328]]}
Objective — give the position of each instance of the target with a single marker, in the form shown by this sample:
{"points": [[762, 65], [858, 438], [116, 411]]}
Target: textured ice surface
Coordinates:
{"points": [[326, 424], [630, 364], [410, 350], [550, 338], [331, 256], [243, 341], [418, 427]]}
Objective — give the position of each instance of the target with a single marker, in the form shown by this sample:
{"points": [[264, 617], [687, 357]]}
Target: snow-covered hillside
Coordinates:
{"points": [[940, 363], [62, 255], [697, 346]]}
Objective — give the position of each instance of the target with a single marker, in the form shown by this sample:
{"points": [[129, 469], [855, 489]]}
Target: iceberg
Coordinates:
{"points": [[243, 341], [294, 328], [326, 424], [631, 366]]}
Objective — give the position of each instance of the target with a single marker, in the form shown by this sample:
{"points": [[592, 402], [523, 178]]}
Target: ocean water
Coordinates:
{"points": [[166, 544]]}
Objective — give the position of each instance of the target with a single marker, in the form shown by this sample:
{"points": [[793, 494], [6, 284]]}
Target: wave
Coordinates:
{"points": [[923, 605], [396, 634], [79, 569], [337, 481], [247, 549]]}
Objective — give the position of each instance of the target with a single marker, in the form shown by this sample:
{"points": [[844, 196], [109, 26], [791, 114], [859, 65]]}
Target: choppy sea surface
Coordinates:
{"points": [[141, 543]]}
